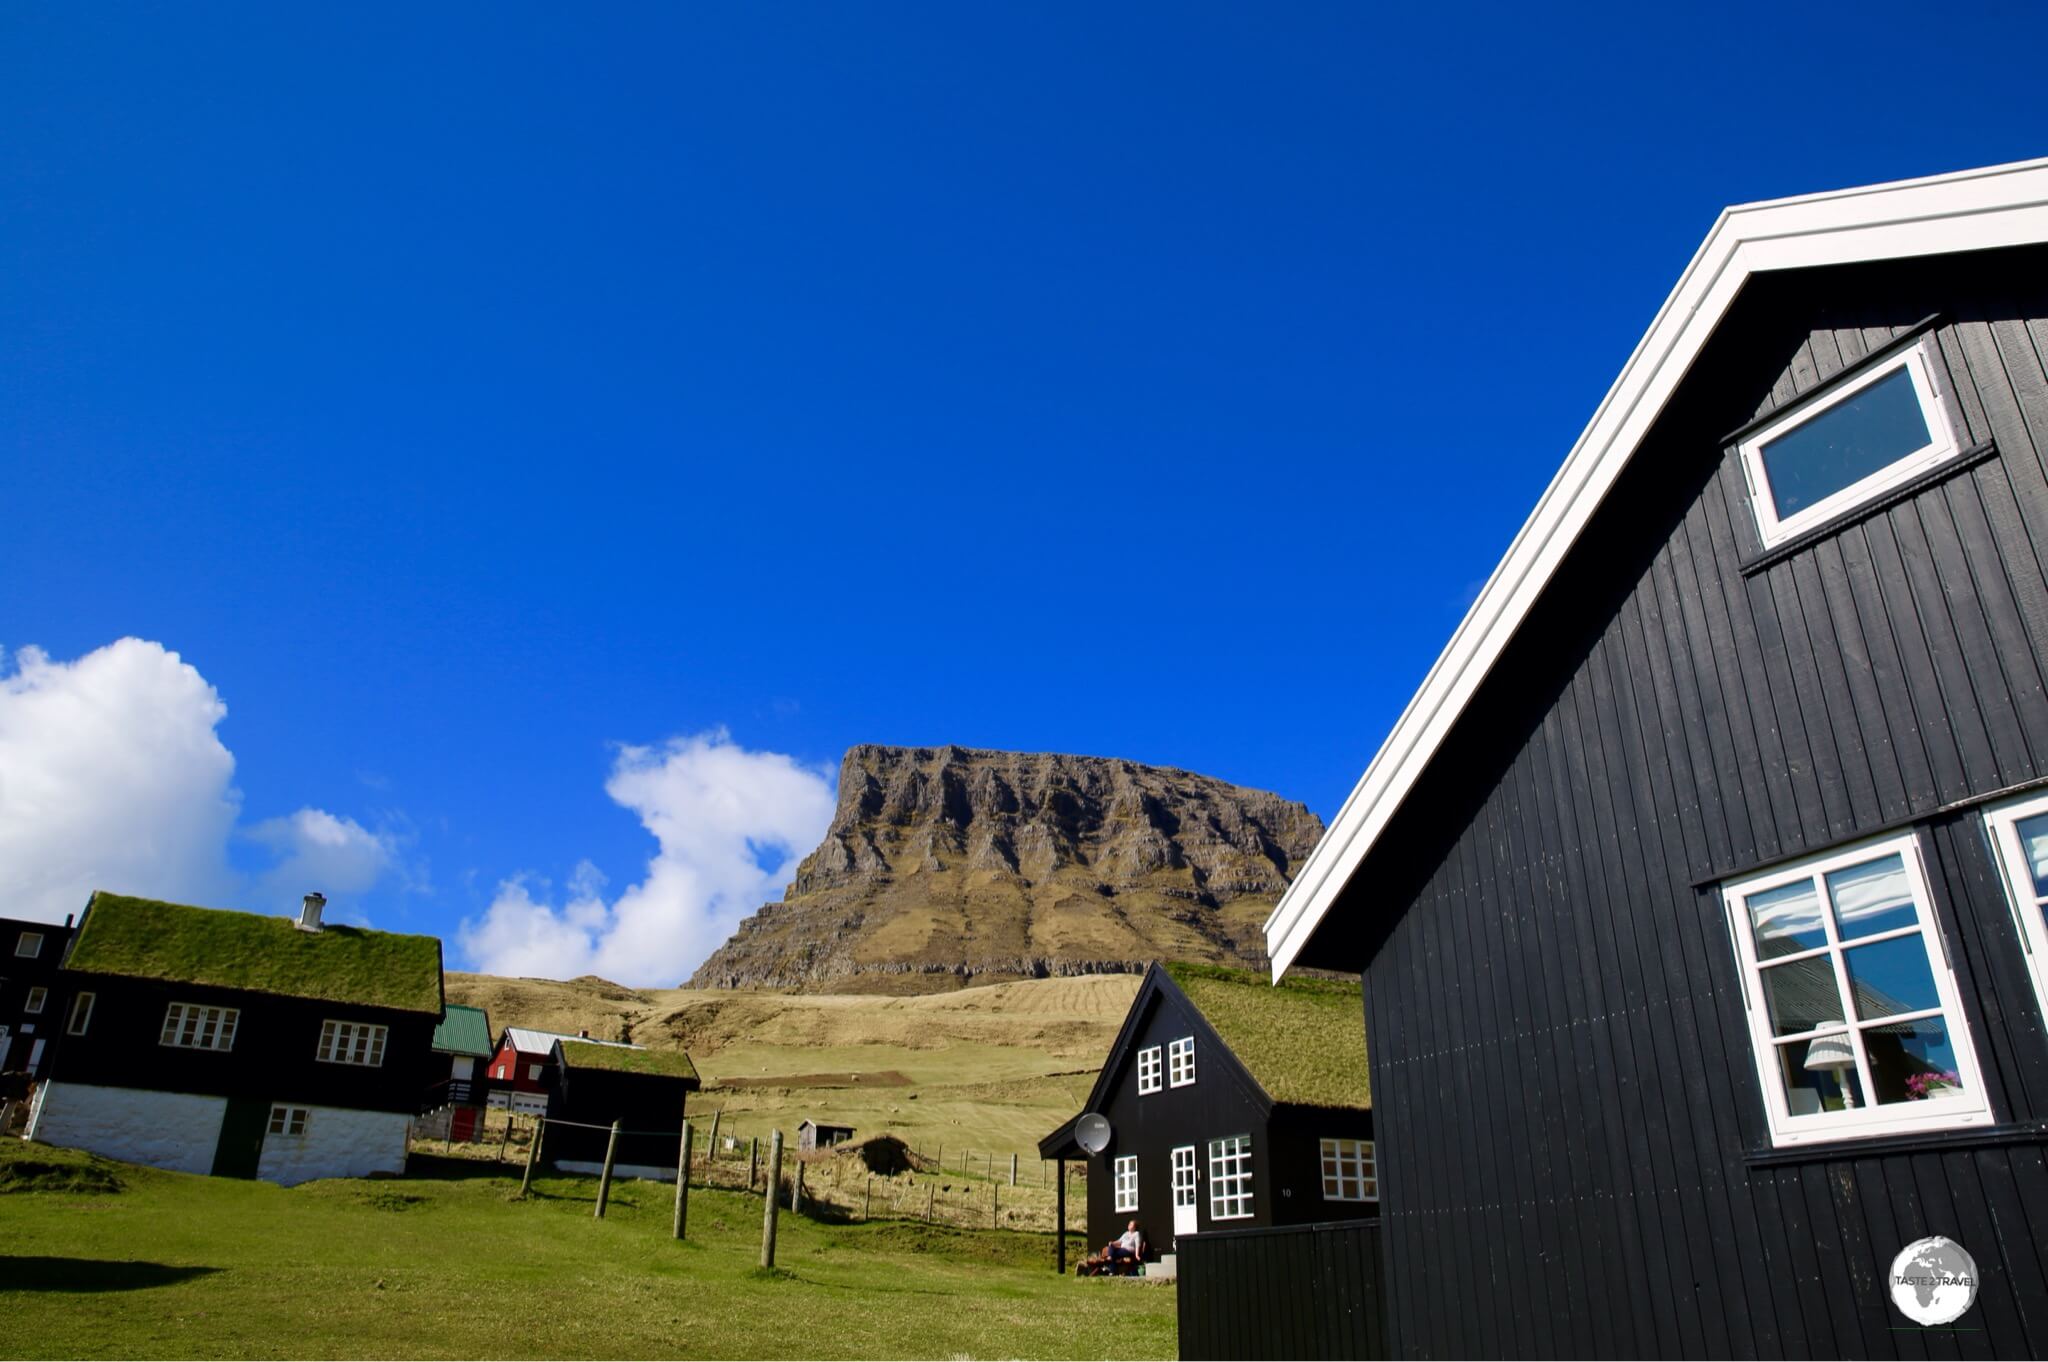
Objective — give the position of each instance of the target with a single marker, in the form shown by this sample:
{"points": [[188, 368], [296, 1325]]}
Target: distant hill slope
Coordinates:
{"points": [[947, 866]]}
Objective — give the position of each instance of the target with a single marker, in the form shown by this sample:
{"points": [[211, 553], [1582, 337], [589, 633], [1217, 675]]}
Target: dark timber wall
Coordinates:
{"points": [[1573, 1153], [1292, 1291]]}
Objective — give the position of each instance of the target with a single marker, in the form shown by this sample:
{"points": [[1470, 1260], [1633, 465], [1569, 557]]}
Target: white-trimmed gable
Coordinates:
{"points": [[1968, 211]]}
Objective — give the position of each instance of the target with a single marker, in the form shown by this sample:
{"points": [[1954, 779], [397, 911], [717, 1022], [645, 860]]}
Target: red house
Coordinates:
{"points": [[522, 1071]]}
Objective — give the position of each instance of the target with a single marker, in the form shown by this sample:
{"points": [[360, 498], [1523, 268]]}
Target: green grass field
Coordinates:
{"points": [[107, 1260]]}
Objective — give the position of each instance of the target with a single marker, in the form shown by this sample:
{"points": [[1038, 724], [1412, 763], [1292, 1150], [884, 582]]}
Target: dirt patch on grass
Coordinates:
{"points": [[886, 1078]]}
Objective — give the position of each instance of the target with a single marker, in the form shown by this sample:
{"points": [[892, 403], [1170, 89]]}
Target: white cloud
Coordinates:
{"points": [[730, 826], [112, 777]]}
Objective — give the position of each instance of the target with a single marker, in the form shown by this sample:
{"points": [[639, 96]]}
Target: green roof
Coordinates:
{"points": [[464, 1031], [619, 1059], [177, 943], [1303, 1039]]}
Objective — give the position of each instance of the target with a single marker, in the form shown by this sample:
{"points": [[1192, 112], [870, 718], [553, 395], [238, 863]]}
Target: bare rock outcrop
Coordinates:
{"points": [[946, 866]]}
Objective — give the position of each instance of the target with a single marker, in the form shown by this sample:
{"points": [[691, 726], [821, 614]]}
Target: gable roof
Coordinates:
{"points": [[1301, 1041], [463, 1031], [256, 952], [1971, 210], [573, 1053], [528, 1041]]}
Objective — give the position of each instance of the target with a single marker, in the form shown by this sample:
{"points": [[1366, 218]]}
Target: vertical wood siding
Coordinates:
{"points": [[1565, 1091], [1307, 1291]]}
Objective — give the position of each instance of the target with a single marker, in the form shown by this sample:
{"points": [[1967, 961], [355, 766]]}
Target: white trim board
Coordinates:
{"points": [[1971, 210]]}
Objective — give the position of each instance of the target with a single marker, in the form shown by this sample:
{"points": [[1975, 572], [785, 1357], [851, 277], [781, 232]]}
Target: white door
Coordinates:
{"points": [[35, 1055], [1184, 1190]]}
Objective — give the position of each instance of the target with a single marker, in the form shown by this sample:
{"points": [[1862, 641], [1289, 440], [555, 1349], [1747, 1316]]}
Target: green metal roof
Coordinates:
{"points": [[464, 1031], [178, 943], [626, 1060], [1302, 1039]]}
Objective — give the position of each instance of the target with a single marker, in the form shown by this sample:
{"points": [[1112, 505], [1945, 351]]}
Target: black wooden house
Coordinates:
{"points": [[240, 1044], [1697, 892], [1231, 1104], [644, 1091], [30, 999]]}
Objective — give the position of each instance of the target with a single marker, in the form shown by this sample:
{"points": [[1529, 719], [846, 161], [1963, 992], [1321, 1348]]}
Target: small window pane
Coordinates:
{"points": [[1890, 977], [1820, 1074], [1803, 995], [1912, 1061], [1873, 898], [1845, 444], [1787, 920], [2034, 842]]}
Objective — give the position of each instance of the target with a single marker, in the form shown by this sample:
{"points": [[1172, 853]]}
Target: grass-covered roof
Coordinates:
{"points": [[618, 1059], [175, 942], [1303, 1039]]}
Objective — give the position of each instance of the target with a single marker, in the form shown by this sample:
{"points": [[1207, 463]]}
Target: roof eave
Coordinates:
{"points": [[1967, 211]]}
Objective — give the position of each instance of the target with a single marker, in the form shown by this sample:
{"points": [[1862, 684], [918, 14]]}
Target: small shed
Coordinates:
{"points": [[643, 1090], [463, 1039], [811, 1136]]}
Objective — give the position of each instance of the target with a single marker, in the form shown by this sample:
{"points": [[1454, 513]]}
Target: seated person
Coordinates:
{"points": [[1119, 1255]]}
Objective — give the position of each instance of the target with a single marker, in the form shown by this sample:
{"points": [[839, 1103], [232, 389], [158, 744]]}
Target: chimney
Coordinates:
{"points": [[309, 912]]}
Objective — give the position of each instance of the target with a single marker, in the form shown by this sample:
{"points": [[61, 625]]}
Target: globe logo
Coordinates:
{"points": [[1934, 1281]]}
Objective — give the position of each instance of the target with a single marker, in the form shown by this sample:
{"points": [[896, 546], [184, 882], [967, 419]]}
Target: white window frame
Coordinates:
{"points": [[1971, 1108], [1150, 1067], [2001, 823], [1942, 446], [352, 1042], [199, 1026], [1184, 1184], [29, 945], [1126, 1183], [533, 1073], [288, 1120], [1350, 1170], [1230, 1178], [1180, 1062], [81, 1014], [34, 1002]]}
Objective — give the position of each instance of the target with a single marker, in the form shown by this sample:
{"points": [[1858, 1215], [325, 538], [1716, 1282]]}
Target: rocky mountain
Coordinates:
{"points": [[946, 866]]}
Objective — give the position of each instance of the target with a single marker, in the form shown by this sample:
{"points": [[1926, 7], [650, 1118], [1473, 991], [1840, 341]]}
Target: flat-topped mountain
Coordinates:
{"points": [[946, 866]]}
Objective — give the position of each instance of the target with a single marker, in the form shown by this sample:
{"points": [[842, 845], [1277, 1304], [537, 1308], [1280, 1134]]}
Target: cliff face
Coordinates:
{"points": [[945, 866]]}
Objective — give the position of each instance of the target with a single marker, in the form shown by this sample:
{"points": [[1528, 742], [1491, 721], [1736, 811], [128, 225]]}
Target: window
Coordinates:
{"points": [[35, 1000], [498, 1072], [2019, 833], [190, 1026], [1230, 1178], [81, 1014], [29, 944], [351, 1043], [533, 1072], [1348, 1171], [1180, 1059], [1184, 1188], [287, 1120], [1127, 1183], [1148, 1069], [1867, 436], [1853, 1013]]}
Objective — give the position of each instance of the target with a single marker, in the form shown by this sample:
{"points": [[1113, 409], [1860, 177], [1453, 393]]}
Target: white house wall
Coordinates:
{"points": [[338, 1143], [173, 1130]]}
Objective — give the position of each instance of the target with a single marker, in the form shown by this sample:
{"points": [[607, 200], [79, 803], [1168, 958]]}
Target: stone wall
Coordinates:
{"points": [[171, 1130], [338, 1143]]}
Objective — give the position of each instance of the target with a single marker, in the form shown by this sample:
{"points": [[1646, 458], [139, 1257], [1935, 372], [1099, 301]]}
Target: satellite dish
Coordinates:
{"points": [[1092, 1133]]}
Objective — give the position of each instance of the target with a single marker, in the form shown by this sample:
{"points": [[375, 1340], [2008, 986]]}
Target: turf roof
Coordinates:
{"points": [[1303, 1039], [175, 942], [576, 1054]]}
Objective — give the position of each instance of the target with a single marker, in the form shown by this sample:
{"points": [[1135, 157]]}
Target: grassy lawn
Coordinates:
{"points": [[107, 1260]]}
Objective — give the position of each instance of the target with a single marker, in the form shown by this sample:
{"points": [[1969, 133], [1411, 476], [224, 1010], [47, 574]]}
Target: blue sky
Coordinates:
{"points": [[490, 407]]}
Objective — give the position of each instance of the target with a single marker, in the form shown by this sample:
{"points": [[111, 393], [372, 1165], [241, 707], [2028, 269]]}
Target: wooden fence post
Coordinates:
{"points": [[711, 1144], [774, 1196], [753, 1159], [683, 1184], [532, 1149], [604, 1179], [994, 1197], [867, 1199], [931, 1196], [796, 1189], [506, 1140]]}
